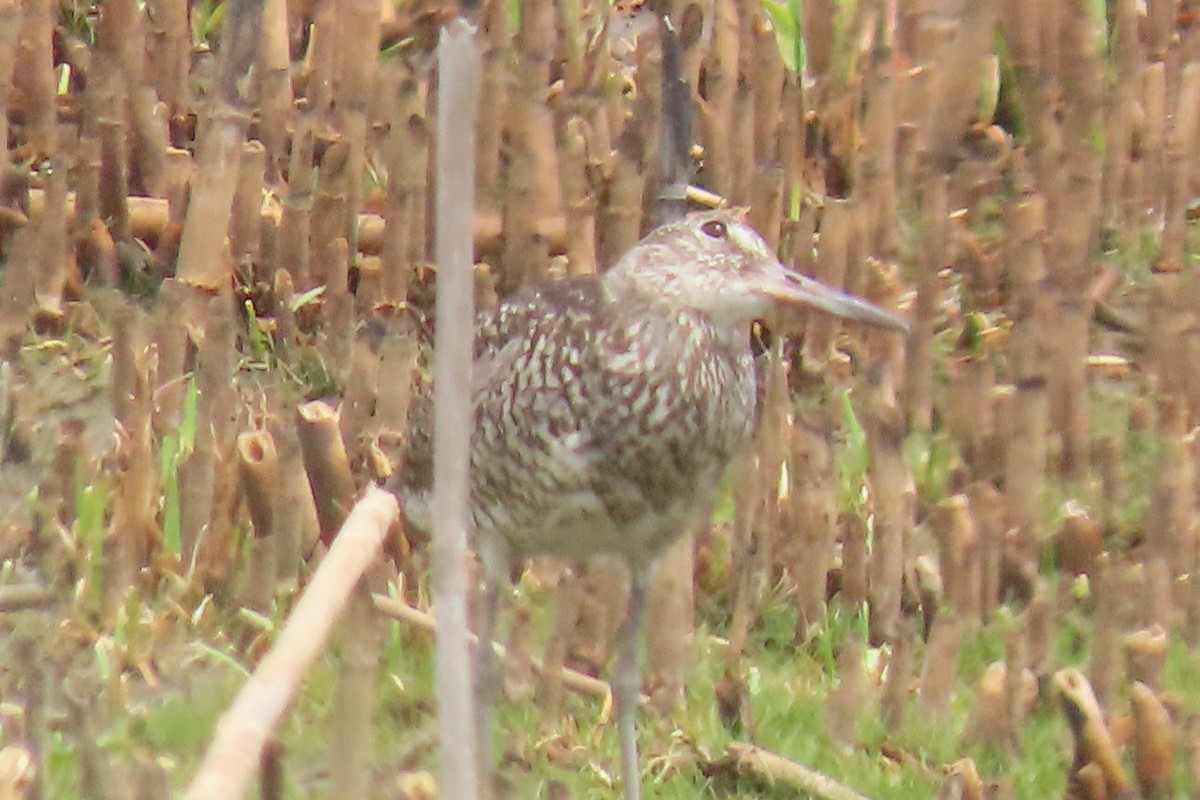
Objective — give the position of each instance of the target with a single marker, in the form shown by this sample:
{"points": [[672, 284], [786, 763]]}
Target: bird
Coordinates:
{"points": [[608, 408]]}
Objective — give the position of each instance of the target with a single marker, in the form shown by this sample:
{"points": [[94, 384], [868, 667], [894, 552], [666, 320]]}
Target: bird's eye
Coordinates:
{"points": [[714, 228]]}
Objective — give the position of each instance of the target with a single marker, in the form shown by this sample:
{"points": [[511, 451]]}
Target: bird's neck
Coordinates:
{"points": [[621, 295]]}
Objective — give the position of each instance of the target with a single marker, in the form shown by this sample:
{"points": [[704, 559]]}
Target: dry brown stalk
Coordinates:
{"points": [[1080, 541], [358, 33], [295, 511], [171, 340], [337, 311], [327, 465], [854, 560], [605, 596], [275, 87], [1159, 28], [962, 782], [494, 91], [1158, 601], [16, 286], [1171, 516], [791, 138], [134, 531], [1153, 130], [219, 152], [918, 397], [716, 112], [1040, 625], [1180, 141], [1191, 747], [568, 601], [10, 31], [362, 392], [245, 222], [749, 759], [1093, 743], [331, 201], [1075, 205], [150, 139], [579, 204], [53, 254], [1146, 653], [958, 549], [287, 331], [1107, 457], [990, 719], [960, 64], [898, 687], [360, 640], [293, 254], [576, 681], [168, 51], [406, 153], [398, 360], [620, 219], [150, 219], [258, 469], [233, 756], [647, 117], [741, 127], [531, 183], [808, 514], [1106, 668], [968, 412], [878, 159], [889, 477], [107, 98], [837, 226], [1121, 114], [22, 596], [939, 672], [748, 509], [1031, 311], [207, 476], [987, 508], [854, 694], [57, 486], [96, 254], [670, 607], [321, 59], [1088, 782], [36, 79], [766, 203], [1153, 742], [765, 77], [86, 200]]}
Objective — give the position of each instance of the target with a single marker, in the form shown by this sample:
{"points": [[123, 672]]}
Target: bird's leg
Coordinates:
{"points": [[627, 683], [487, 665]]}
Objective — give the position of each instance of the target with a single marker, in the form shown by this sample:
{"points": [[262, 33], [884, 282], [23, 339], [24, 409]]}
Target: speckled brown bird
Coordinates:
{"points": [[608, 409]]}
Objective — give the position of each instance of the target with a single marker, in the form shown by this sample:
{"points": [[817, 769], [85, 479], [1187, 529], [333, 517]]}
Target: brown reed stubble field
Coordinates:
{"points": [[964, 565]]}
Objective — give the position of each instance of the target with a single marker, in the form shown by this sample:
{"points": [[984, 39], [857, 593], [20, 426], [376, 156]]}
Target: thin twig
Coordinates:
{"points": [[774, 768], [576, 681], [458, 87], [244, 729]]}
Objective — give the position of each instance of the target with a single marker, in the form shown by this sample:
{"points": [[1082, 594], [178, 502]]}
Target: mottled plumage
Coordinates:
{"points": [[602, 426], [607, 410]]}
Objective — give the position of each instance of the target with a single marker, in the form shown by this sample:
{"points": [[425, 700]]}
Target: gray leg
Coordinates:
{"points": [[627, 684]]}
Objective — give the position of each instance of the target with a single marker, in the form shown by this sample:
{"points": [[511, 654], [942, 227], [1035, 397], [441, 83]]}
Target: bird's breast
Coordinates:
{"points": [[608, 438]]}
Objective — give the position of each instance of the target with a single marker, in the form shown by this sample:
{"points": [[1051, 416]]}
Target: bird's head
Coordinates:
{"points": [[715, 263]]}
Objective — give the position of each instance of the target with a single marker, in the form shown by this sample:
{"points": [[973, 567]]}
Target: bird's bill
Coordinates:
{"points": [[794, 289]]}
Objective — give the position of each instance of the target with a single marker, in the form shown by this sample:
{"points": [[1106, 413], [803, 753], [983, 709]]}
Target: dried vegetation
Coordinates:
{"points": [[967, 565]]}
